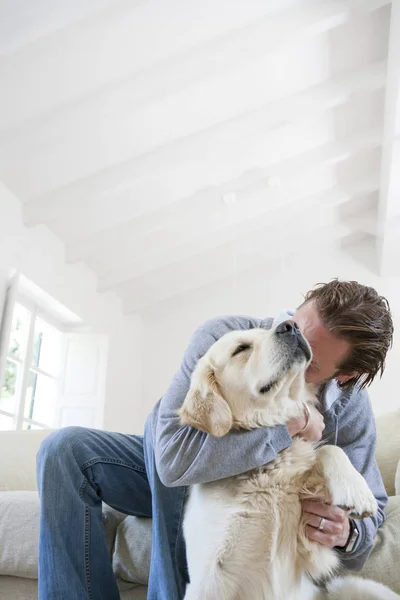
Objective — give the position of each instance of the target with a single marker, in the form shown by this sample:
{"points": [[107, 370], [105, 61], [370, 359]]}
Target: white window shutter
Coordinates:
{"points": [[83, 381]]}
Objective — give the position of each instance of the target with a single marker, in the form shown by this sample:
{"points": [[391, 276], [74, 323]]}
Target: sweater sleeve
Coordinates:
{"points": [[186, 456], [357, 437]]}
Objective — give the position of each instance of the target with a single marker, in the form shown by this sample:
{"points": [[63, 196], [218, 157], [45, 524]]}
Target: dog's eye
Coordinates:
{"points": [[266, 388], [241, 348]]}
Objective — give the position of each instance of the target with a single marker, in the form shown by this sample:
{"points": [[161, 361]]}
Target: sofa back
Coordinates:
{"points": [[388, 448]]}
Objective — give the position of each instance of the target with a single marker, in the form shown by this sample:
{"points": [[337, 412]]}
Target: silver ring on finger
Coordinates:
{"points": [[322, 524]]}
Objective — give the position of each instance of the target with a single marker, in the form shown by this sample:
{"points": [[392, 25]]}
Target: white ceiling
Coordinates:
{"points": [[124, 122]]}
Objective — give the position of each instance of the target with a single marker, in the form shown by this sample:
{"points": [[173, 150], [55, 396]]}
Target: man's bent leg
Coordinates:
{"points": [[77, 469]]}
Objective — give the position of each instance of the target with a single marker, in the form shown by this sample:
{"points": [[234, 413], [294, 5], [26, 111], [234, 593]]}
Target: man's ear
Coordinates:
{"points": [[204, 406], [347, 376]]}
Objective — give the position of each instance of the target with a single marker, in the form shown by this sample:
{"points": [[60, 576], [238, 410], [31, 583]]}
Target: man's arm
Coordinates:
{"points": [[357, 437], [185, 456]]}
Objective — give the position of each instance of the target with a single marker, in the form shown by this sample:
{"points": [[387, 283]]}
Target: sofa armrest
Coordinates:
{"points": [[18, 451]]}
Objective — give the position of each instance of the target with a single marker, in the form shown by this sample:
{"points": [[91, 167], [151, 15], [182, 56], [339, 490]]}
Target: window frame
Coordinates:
{"points": [[25, 364]]}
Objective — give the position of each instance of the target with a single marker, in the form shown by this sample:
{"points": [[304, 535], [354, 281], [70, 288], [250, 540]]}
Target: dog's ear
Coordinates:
{"points": [[204, 406]]}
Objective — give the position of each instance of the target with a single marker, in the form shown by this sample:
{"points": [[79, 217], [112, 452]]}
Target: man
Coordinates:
{"points": [[349, 328]]}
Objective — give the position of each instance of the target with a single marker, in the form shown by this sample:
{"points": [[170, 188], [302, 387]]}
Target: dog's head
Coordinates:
{"points": [[249, 379]]}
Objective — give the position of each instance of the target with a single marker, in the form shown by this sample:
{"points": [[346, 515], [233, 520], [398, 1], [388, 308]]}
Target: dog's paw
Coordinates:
{"points": [[362, 508], [347, 488], [354, 496]]}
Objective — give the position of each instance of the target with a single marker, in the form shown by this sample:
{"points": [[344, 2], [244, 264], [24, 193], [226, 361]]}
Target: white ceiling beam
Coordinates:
{"points": [[207, 158], [365, 223], [23, 22], [389, 209], [129, 38], [112, 132], [315, 208]]}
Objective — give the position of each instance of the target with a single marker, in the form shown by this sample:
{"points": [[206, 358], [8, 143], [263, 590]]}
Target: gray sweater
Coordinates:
{"points": [[185, 456]]}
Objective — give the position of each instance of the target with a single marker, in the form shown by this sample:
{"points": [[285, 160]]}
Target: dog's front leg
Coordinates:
{"points": [[332, 479]]}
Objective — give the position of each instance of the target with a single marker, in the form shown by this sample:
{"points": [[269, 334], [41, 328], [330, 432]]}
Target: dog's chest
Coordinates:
{"points": [[264, 489], [283, 475]]}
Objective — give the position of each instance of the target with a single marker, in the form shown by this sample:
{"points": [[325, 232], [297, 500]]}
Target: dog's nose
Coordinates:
{"points": [[288, 327]]}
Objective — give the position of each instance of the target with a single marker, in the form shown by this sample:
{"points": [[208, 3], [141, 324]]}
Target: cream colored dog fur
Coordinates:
{"points": [[245, 536]]}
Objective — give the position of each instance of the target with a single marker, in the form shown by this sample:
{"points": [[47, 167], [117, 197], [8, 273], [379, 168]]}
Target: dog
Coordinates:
{"points": [[245, 537]]}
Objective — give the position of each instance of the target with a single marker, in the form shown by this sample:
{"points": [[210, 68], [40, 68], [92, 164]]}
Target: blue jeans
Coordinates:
{"points": [[77, 470]]}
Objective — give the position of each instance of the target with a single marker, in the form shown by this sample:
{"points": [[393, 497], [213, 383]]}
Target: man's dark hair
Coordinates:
{"points": [[358, 314]]}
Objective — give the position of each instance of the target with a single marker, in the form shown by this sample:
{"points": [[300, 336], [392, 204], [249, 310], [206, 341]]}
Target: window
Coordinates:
{"points": [[53, 366], [29, 391]]}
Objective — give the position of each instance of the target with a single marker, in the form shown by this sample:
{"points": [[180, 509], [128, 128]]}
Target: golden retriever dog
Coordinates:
{"points": [[244, 535]]}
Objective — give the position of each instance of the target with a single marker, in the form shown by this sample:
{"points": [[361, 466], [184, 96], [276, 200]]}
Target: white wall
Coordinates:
{"points": [[39, 255], [123, 409], [263, 292]]}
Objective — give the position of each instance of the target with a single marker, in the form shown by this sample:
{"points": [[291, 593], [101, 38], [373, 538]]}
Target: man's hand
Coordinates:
{"points": [[314, 429], [336, 526]]}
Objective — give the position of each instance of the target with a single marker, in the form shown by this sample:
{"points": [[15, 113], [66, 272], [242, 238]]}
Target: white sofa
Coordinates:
{"points": [[129, 538]]}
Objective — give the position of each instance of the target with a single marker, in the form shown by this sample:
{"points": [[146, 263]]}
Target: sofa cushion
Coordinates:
{"points": [[397, 484], [18, 588], [111, 520], [131, 560], [19, 534], [385, 554], [388, 448]]}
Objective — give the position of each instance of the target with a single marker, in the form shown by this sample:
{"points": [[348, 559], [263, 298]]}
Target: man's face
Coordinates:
{"points": [[328, 350]]}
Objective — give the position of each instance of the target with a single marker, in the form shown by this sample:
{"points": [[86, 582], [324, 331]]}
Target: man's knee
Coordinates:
{"points": [[59, 444]]}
